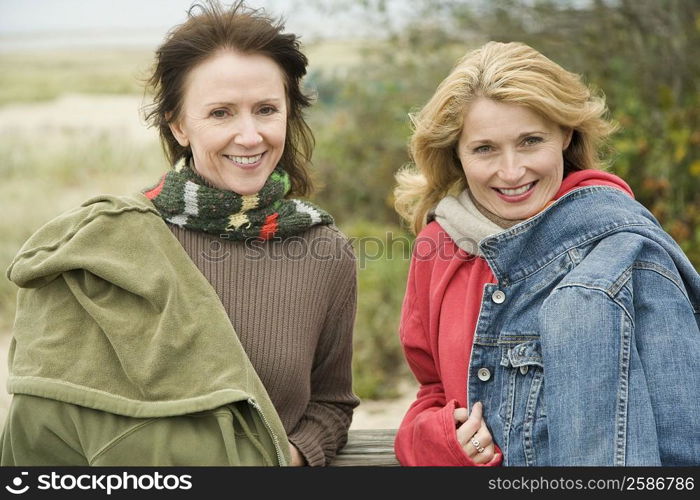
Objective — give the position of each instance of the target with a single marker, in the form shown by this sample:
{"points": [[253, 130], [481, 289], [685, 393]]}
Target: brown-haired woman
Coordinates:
{"points": [[208, 322]]}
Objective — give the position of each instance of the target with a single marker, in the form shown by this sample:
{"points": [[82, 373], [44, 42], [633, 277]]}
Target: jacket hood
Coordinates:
{"points": [[467, 226], [113, 315]]}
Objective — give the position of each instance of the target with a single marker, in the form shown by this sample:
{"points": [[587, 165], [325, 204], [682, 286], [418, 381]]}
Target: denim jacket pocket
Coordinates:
{"points": [[523, 411], [521, 359], [526, 354]]}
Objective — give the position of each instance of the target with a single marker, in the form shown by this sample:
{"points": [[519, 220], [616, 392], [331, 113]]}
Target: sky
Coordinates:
{"points": [[33, 23]]}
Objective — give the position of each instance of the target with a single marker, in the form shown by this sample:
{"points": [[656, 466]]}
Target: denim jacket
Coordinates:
{"points": [[587, 350]]}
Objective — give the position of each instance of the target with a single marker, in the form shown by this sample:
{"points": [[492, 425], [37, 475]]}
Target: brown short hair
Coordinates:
{"points": [[208, 29]]}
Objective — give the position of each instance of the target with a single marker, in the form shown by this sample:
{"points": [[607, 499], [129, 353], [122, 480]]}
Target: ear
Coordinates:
{"points": [[177, 130], [568, 134]]}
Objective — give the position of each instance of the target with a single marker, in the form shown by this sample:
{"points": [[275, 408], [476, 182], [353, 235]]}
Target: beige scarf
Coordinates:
{"points": [[468, 222]]}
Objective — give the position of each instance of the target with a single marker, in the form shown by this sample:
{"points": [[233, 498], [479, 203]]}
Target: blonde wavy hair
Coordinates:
{"points": [[506, 72]]}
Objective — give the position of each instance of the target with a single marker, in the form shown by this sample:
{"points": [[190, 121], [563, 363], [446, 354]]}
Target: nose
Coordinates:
{"points": [[246, 132], [511, 168]]}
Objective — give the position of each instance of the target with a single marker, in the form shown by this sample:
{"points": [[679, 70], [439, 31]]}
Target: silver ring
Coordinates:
{"points": [[477, 445]]}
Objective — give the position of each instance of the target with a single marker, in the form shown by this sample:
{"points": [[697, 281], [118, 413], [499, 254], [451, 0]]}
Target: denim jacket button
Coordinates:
{"points": [[523, 369], [484, 374], [498, 297]]}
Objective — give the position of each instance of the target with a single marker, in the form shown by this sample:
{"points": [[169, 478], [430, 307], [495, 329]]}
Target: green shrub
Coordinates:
{"points": [[383, 255]]}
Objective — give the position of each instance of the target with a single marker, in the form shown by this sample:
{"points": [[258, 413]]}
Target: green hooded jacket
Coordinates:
{"points": [[123, 354]]}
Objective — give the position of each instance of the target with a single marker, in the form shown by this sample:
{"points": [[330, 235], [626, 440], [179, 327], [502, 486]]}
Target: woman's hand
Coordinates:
{"points": [[297, 458], [473, 434]]}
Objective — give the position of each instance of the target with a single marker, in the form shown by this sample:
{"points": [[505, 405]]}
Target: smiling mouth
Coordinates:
{"points": [[516, 191], [245, 160]]}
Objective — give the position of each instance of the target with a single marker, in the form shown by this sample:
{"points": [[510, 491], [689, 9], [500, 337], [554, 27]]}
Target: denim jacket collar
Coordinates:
{"points": [[516, 253]]}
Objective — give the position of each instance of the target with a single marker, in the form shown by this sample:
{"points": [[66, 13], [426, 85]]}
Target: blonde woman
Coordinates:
{"points": [[548, 318]]}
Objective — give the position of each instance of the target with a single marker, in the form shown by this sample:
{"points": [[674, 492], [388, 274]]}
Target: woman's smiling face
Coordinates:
{"points": [[512, 157], [234, 118]]}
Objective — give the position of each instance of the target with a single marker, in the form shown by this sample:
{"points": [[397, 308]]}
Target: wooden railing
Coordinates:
{"points": [[370, 447]]}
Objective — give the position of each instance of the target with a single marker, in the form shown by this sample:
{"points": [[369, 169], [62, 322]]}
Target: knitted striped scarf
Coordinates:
{"points": [[184, 198]]}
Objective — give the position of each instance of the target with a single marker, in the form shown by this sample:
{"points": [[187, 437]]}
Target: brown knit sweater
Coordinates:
{"points": [[292, 303]]}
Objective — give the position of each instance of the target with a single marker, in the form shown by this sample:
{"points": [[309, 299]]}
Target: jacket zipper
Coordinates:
{"points": [[275, 440]]}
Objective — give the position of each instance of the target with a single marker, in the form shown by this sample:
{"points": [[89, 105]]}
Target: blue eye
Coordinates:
{"points": [[532, 140], [482, 149]]}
